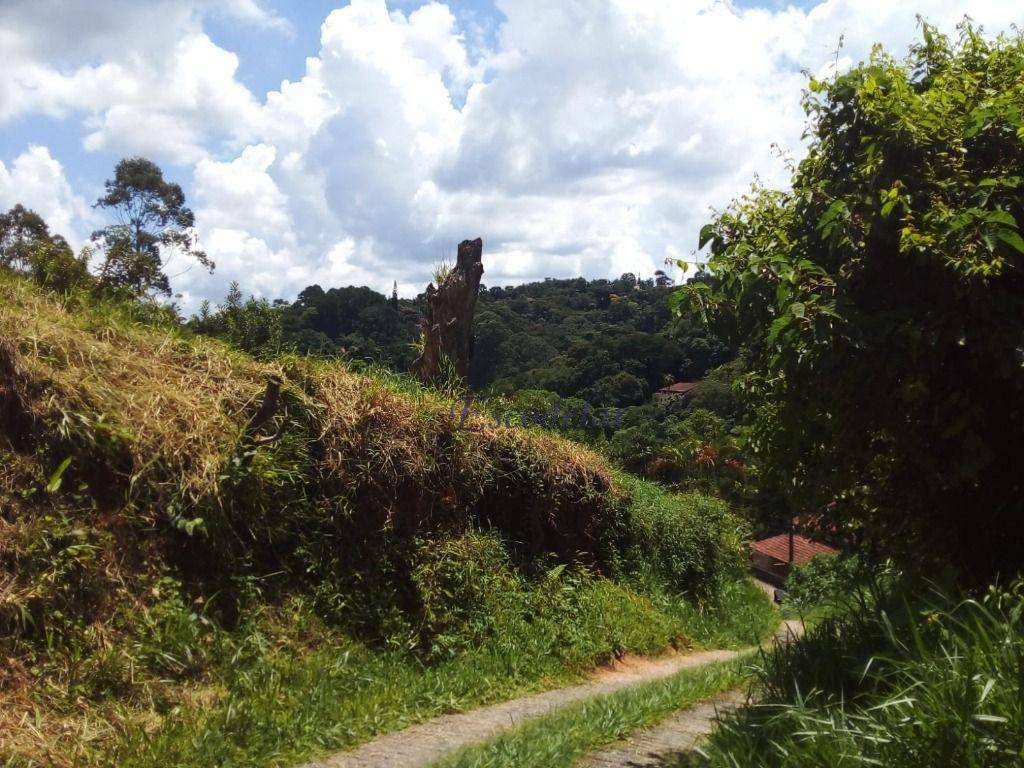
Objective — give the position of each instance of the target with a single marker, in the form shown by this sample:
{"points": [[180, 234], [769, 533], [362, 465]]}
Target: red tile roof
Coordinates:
{"points": [[680, 386], [803, 548]]}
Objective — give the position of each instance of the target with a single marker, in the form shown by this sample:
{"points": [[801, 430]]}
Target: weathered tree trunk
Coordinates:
{"points": [[448, 322]]}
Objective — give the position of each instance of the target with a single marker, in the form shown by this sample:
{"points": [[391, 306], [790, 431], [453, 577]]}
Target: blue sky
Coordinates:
{"points": [[358, 142]]}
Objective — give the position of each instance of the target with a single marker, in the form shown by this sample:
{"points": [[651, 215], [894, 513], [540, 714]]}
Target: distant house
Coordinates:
{"points": [[679, 388], [772, 558]]}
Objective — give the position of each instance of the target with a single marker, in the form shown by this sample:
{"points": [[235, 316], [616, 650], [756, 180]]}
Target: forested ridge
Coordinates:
{"points": [[608, 342]]}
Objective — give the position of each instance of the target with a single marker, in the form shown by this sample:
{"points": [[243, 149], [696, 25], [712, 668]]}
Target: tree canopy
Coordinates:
{"points": [[27, 245], [152, 225], [882, 303]]}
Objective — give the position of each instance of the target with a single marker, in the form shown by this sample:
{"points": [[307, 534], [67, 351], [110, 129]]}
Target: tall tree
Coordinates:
{"points": [[21, 230], [882, 301], [152, 225]]}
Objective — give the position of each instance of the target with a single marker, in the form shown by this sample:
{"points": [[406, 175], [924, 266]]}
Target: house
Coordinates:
{"points": [[772, 558], [679, 388]]}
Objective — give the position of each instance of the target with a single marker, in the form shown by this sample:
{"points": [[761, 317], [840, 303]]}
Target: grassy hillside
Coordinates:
{"points": [[186, 531]]}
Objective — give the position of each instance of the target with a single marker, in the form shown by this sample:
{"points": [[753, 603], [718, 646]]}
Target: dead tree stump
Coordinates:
{"points": [[448, 321]]}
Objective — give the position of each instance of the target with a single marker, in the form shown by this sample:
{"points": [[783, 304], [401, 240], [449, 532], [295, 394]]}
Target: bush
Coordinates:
{"points": [[933, 686], [467, 591], [682, 544], [886, 387], [827, 581]]}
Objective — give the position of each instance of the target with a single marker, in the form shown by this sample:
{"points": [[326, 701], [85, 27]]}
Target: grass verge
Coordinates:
{"points": [[894, 685], [560, 739]]}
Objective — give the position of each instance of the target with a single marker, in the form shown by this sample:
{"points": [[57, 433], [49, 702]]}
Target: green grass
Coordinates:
{"points": [[742, 615], [284, 710], [934, 685], [284, 688], [189, 583], [562, 738]]}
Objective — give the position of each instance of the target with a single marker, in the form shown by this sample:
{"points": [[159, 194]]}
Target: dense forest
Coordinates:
{"points": [[608, 342]]}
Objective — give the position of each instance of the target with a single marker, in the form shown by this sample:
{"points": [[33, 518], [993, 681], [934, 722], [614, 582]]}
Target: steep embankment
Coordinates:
{"points": [[172, 509]]}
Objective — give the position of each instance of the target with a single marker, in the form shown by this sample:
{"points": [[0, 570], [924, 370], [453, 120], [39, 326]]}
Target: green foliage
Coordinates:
{"points": [[739, 615], [471, 596], [57, 560], [942, 687], [827, 582], [27, 246], [467, 589], [687, 544], [441, 271], [152, 224], [609, 342], [255, 326], [882, 304]]}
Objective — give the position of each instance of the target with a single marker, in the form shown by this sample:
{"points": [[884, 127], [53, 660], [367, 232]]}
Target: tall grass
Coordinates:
{"points": [[151, 537], [941, 685]]}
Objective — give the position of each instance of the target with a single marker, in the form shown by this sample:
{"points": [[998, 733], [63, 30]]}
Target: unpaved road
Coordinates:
{"points": [[679, 734], [422, 744], [676, 736]]}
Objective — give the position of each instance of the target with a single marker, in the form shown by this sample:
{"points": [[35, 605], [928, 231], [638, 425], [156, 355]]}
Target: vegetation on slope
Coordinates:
{"points": [[194, 574]]}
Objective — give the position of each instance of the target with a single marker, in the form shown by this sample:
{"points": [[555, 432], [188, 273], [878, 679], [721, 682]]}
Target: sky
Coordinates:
{"points": [[357, 143]]}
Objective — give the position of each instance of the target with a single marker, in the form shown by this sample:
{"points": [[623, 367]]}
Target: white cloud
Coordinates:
{"points": [[252, 12], [242, 195], [591, 140], [143, 76], [36, 180], [170, 108]]}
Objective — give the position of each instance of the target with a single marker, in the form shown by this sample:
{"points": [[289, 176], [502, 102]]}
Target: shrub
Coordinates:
{"points": [[932, 686], [881, 300], [684, 544], [827, 581]]}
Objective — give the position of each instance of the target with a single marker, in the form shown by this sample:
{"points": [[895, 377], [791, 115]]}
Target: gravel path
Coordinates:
{"points": [[679, 734], [671, 738], [422, 744]]}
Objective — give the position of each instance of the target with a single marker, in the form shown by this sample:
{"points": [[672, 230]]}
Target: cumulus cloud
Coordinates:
{"points": [[36, 180], [144, 77], [587, 137]]}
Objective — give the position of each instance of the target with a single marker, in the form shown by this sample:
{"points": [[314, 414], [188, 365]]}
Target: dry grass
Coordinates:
{"points": [[181, 402], [144, 522], [139, 436]]}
